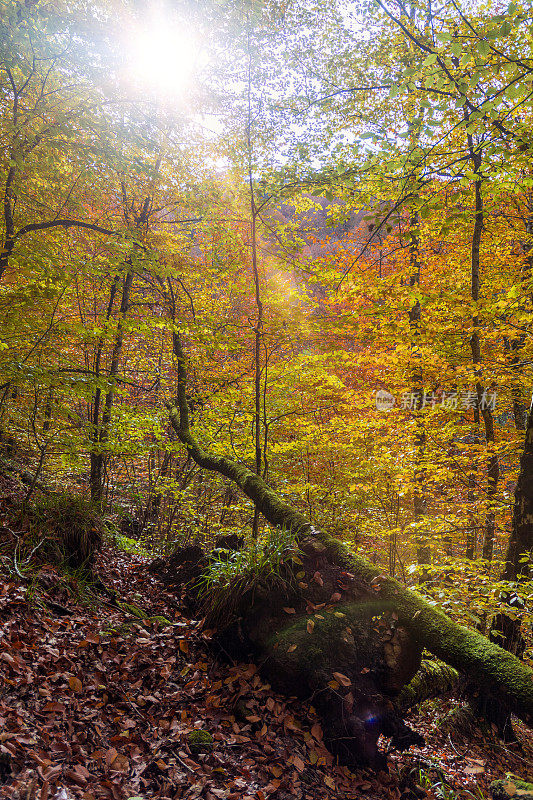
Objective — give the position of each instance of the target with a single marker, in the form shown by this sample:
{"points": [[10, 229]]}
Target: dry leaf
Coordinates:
{"points": [[75, 684], [298, 763], [316, 732], [342, 679]]}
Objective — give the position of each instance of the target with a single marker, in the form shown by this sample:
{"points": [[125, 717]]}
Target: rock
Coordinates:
{"points": [[511, 786]]}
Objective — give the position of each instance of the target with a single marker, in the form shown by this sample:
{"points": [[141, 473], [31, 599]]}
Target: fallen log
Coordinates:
{"points": [[419, 623]]}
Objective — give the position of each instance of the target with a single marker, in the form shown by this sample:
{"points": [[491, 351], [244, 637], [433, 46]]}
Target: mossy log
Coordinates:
{"points": [[465, 649], [352, 660], [422, 624], [316, 632]]}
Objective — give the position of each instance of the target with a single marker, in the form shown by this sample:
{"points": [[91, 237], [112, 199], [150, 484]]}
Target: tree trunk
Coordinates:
{"points": [[102, 429], [505, 629], [493, 468]]}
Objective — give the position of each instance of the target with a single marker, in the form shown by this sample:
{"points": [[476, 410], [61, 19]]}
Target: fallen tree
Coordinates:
{"points": [[347, 618]]}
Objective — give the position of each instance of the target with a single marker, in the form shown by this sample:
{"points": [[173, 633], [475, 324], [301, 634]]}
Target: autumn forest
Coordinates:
{"points": [[266, 456]]}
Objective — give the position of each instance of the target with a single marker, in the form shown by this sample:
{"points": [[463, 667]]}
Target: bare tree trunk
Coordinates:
{"points": [[96, 467], [102, 428], [423, 550], [258, 329], [493, 468]]}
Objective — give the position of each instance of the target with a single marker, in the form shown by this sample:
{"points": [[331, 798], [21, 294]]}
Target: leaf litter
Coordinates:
{"points": [[92, 708]]}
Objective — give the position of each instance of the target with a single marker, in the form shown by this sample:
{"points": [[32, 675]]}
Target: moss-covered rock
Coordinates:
{"points": [[200, 742], [511, 787]]}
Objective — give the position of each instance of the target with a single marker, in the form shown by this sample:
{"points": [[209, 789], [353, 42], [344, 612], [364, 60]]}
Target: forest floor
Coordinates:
{"points": [[96, 704]]}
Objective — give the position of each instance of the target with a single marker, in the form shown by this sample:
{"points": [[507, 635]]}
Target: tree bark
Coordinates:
{"points": [[493, 467], [101, 429]]}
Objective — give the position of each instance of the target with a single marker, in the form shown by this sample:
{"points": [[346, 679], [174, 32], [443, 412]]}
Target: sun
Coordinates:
{"points": [[163, 55]]}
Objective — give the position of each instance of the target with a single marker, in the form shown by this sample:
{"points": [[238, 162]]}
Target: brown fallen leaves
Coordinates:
{"points": [[91, 710]]}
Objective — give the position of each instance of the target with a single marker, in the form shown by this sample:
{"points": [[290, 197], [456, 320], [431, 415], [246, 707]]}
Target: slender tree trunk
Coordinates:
{"points": [[521, 541], [98, 457], [9, 235], [258, 329], [493, 468], [423, 550], [471, 533], [96, 465], [9, 198]]}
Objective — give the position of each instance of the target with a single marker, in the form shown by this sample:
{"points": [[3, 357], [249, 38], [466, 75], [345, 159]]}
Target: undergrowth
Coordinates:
{"points": [[133, 546], [67, 529], [433, 780], [233, 574]]}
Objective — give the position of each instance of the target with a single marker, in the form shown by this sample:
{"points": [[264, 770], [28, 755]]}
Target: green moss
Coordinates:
{"points": [[200, 742], [134, 610], [433, 678], [465, 649], [324, 642], [160, 620]]}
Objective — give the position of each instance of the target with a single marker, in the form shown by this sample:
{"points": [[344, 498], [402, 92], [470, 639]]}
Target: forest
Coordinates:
{"points": [[266, 369]]}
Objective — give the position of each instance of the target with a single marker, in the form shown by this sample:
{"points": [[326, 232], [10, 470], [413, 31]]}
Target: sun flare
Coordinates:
{"points": [[163, 55]]}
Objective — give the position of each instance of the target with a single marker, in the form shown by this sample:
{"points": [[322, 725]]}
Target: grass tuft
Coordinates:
{"points": [[232, 575], [70, 529]]}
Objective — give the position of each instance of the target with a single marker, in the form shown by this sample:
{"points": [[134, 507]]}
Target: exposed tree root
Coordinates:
{"points": [[434, 678]]}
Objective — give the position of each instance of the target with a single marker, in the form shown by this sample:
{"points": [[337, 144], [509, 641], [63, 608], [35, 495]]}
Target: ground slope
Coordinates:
{"points": [[96, 704]]}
